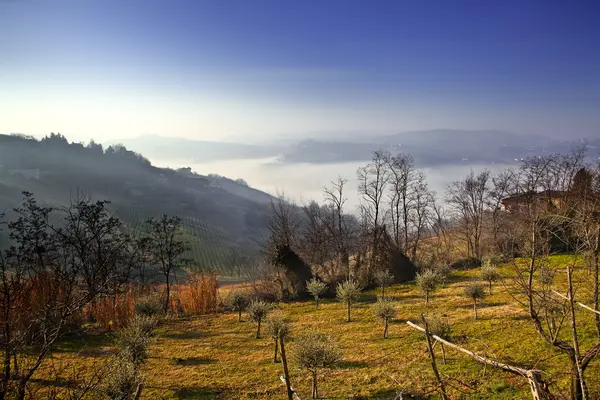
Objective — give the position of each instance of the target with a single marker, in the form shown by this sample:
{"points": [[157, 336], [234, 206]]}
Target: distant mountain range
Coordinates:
{"points": [[430, 148]]}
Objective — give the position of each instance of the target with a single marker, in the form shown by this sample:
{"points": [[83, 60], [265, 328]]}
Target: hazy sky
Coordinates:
{"points": [[222, 69]]}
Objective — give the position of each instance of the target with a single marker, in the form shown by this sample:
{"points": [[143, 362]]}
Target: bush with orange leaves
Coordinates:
{"points": [[197, 296]]}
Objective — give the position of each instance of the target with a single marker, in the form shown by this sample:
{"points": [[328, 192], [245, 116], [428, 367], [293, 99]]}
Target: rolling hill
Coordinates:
{"points": [[220, 216]]}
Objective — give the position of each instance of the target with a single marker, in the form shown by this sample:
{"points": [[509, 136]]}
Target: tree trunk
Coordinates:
{"points": [[595, 273], [348, 306], [385, 330], [286, 373], [383, 291], [490, 283], [21, 391], [258, 330], [475, 308], [576, 392], [275, 354], [138, 392], [240, 315], [426, 299], [315, 393], [317, 302], [576, 360], [168, 296]]}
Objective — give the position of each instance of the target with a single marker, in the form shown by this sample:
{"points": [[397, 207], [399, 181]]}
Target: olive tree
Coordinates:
{"points": [[279, 330], [385, 310], [490, 274], [475, 292], [314, 352], [443, 272], [428, 282], [237, 301], [347, 292], [316, 287], [383, 279], [258, 311], [441, 328]]}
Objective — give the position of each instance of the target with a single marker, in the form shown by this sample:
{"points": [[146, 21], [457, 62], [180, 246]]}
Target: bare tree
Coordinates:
{"points": [[502, 185], [424, 200], [537, 210], [372, 182], [468, 199], [402, 176], [48, 274], [440, 225], [339, 227], [167, 248], [284, 222]]}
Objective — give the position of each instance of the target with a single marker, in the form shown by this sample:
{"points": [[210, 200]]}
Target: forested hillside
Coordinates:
{"points": [[222, 222]]}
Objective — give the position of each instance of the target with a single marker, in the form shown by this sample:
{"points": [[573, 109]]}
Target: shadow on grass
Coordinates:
{"points": [[85, 344], [59, 382], [367, 298], [353, 364], [458, 278], [192, 361], [196, 393], [481, 306], [185, 335]]}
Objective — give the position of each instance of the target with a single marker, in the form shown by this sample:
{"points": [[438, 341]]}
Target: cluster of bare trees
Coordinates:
{"points": [[546, 205], [58, 261], [396, 212], [559, 209], [553, 207]]}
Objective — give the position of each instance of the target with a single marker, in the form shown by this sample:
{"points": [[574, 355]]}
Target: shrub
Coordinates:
{"points": [[444, 272], [237, 301], [258, 311], [547, 275], [198, 295], [134, 339], [316, 288], [279, 329], [427, 281], [383, 279], [122, 381], [314, 352], [490, 274], [466, 263], [347, 292], [149, 306], [475, 292], [385, 310]]}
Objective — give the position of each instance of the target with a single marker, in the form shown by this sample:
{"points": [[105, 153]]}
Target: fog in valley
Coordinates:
{"points": [[305, 181]]}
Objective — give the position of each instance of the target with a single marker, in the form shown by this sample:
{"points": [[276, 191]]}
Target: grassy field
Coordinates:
{"points": [[215, 357]]}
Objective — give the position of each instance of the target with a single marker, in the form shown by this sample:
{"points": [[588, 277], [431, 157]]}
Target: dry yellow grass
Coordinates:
{"points": [[214, 356]]}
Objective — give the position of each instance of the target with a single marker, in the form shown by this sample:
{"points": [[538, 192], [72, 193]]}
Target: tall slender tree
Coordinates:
{"points": [[166, 245]]}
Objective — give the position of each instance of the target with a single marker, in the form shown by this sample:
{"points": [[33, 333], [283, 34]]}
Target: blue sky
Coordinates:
{"points": [[225, 69]]}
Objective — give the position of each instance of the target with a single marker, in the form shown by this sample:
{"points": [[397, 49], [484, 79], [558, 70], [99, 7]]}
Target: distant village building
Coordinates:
{"points": [[540, 199]]}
